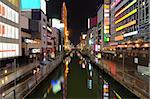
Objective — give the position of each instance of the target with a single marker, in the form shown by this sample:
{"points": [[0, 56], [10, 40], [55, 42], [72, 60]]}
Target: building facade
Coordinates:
{"points": [[130, 29], [31, 46], [129, 21], [10, 41]]}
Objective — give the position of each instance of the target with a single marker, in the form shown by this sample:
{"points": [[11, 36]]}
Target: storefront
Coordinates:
{"points": [[31, 49]]}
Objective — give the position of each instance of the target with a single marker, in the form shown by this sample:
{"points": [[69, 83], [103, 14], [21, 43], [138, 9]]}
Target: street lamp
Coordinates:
{"points": [[123, 58], [5, 71], [3, 81], [35, 72]]}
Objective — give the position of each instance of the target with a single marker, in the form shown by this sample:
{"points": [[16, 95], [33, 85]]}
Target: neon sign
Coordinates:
{"points": [[126, 16], [106, 23], [126, 25], [130, 33], [115, 3], [125, 8]]}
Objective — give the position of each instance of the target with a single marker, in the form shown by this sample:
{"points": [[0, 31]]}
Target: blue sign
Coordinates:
{"points": [[89, 83], [30, 4], [54, 82]]}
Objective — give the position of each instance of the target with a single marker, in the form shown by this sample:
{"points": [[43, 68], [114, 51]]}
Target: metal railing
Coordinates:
{"points": [[138, 85]]}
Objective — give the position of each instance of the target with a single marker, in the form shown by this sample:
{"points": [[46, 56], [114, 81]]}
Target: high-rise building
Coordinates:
{"points": [[36, 12], [9, 29], [130, 28], [125, 19], [130, 21]]}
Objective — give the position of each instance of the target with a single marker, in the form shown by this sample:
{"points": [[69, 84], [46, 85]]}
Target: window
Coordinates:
{"points": [[44, 20], [9, 13], [147, 11], [9, 31], [0, 31], [3, 10], [143, 14], [3, 29], [0, 8], [49, 43]]}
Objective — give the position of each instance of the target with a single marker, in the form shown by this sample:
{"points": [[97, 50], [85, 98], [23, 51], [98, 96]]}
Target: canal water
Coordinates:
{"points": [[77, 78]]}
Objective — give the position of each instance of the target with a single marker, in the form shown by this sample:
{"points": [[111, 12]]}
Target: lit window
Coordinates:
{"points": [[9, 13], [3, 10], [0, 9]]}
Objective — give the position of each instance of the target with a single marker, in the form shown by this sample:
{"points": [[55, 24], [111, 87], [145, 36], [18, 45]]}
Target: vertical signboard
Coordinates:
{"points": [[106, 21]]}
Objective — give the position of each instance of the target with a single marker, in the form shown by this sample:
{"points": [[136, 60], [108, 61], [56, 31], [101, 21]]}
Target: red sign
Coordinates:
{"points": [[93, 21]]}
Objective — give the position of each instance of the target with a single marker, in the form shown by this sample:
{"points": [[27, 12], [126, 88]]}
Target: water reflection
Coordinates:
{"points": [[81, 73]]}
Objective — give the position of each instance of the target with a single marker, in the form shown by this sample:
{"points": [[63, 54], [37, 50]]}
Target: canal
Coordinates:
{"points": [[77, 78]]}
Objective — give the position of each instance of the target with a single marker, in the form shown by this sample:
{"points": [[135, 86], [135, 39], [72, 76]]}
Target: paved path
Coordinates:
{"points": [[20, 71]]}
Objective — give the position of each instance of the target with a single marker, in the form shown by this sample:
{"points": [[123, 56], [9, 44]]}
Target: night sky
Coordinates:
{"points": [[78, 12]]}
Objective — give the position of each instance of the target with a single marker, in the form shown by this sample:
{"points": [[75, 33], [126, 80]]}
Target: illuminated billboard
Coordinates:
{"points": [[115, 3], [43, 6], [126, 16], [93, 21], [56, 86], [89, 84], [27, 5], [125, 8], [57, 24], [126, 25], [105, 90], [9, 50], [118, 38], [30, 4]]}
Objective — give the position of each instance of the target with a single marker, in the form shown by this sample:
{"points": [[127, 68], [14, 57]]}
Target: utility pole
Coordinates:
{"points": [[123, 63], [15, 70]]}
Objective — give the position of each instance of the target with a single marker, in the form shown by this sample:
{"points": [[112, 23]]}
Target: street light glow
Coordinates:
{"points": [[3, 81], [5, 71]]}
